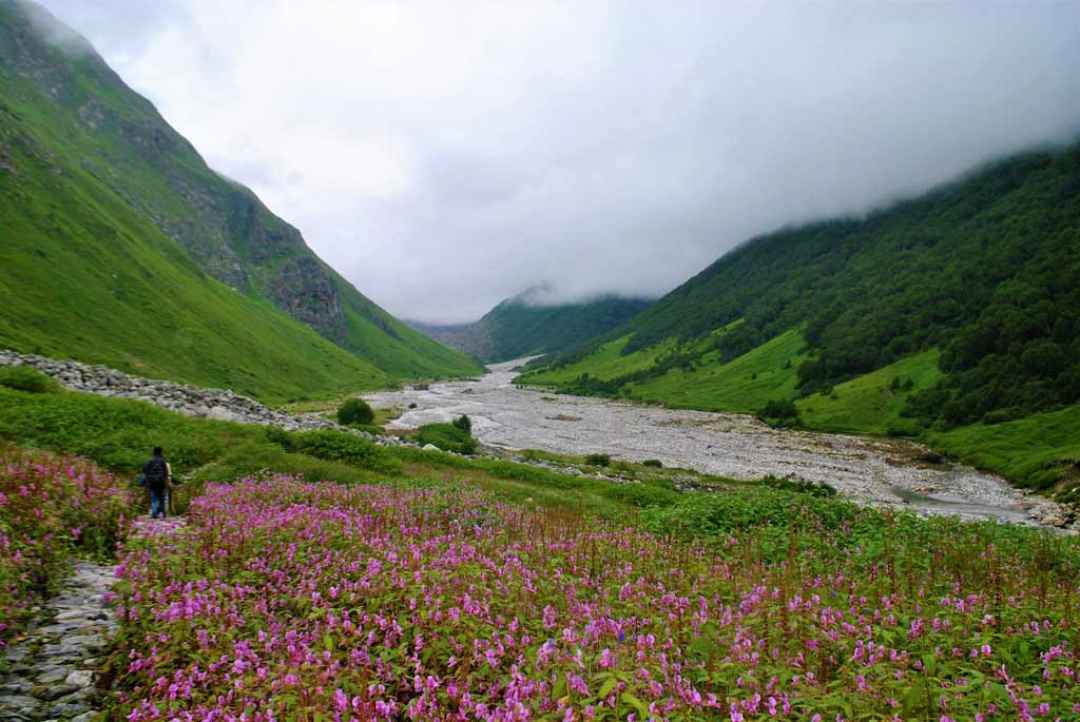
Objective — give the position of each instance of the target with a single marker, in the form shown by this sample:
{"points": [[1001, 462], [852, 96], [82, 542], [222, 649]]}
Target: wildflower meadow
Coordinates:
{"points": [[285, 600], [51, 507]]}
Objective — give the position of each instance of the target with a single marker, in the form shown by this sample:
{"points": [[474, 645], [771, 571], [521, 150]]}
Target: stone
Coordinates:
{"points": [[53, 675], [17, 707], [80, 678], [50, 692]]}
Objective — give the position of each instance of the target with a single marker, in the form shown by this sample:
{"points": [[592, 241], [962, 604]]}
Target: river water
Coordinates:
{"points": [[879, 471]]}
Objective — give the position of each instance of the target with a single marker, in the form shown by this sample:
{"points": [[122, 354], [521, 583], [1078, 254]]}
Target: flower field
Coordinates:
{"points": [[284, 600], [50, 506]]}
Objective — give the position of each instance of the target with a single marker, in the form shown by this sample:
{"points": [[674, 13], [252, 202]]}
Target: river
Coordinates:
{"points": [[878, 471]]}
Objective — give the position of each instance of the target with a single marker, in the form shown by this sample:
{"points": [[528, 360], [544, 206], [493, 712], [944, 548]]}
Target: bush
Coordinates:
{"points": [[25, 378], [355, 412], [341, 446], [597, 459], [782, 410], [447, 437], [897, 431], [464, 423], [655, 463], [799, 486]]}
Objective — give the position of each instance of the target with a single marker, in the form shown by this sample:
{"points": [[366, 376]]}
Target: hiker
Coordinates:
{"points": [[157, 473]]}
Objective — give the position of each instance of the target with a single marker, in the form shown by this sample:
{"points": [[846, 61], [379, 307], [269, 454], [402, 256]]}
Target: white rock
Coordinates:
{"points": [[80, 678]]}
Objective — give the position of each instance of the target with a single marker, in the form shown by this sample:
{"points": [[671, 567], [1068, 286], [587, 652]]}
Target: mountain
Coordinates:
{"points": [[526, 325], [956, 310], [120, 245]]}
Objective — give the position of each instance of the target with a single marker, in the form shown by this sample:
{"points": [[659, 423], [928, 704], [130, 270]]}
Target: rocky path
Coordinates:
{"points": [[50, 673]]}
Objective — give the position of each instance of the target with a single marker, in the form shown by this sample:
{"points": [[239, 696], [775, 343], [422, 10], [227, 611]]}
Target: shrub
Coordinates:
{"points": [[780, 410], [597, 459], [900, 431], [464, 423], [447, 437], [355, 412], [799, 486], [655, 463], [25, 378], [342, 446]]}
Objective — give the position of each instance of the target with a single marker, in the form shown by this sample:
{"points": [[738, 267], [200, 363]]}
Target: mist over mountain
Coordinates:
{"points": [[433, 151], [534, 322]]}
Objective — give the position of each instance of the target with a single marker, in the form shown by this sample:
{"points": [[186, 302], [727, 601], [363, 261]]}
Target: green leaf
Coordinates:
{"points": [[607, 687], [641, 707]]}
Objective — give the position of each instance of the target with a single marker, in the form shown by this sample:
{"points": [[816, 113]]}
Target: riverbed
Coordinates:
{"points": [[885, 472]]}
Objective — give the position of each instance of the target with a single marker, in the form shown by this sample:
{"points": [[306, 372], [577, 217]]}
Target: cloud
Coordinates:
{"points": [[444, 156]]}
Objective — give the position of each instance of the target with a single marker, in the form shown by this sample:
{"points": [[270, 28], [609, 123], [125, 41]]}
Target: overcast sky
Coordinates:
{"points": [[446, 155]]}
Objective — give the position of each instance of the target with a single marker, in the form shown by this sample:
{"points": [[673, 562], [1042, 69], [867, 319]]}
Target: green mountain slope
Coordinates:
{"points": [[956, 308], [95, 183], [522, 326]]}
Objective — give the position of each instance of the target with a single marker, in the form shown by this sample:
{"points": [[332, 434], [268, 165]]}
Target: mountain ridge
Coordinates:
{"points": [[69, 121], [527, 324], [958, 309]]}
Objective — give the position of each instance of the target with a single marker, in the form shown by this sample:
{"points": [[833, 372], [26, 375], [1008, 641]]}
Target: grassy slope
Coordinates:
{"points": [[88, 277], [1038, 451], [744, 384], [607, 362], [98, 171], [519, 329], [869, 404]]}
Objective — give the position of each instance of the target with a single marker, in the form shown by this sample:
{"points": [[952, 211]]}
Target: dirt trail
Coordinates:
{"points": [[880, 471]]}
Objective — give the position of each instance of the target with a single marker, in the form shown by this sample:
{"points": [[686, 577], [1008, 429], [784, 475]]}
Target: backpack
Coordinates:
{"points": [[156, 473]]}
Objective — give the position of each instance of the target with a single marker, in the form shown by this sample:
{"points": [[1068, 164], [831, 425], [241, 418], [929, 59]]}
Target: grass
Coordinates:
{"points": [[424, 601], [119, 433], [871, 404], [744, 384], [1038, 451], [447, 437], [90, 272], [606, 363]]}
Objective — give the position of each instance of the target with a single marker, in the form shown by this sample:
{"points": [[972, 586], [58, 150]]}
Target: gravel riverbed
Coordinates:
{"points": [[877, 471]]}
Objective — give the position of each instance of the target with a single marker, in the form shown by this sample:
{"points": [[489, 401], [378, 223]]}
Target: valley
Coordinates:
{"points": [[887, 472]]}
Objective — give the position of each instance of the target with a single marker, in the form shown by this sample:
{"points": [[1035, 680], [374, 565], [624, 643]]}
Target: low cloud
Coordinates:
{"points": [[444, 156]]}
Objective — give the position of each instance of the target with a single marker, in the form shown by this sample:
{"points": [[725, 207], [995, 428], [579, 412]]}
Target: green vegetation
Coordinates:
{"points": [[985, 269], [1038, 451], [598, 460], [873, 403], [464, 423], [119, 433], [520, 326], [354, 412], [25, 378], [781, 412], [122, 247], [941, 318], [448, 437]]}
